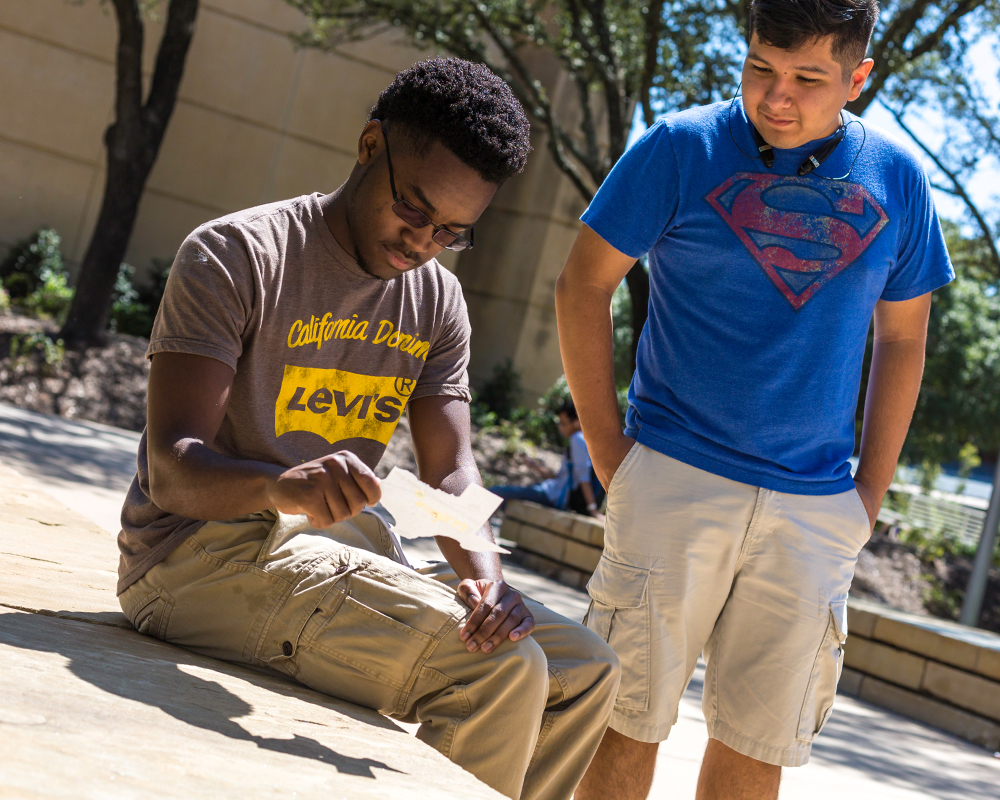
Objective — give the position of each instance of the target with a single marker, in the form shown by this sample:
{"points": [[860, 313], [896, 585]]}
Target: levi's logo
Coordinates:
{"points": [[340, 405], [802, 231]]}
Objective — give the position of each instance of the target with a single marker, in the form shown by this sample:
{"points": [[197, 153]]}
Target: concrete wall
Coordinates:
{"points": [[256, 121]]}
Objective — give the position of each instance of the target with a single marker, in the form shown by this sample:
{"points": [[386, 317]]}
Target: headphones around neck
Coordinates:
{"points": [[766, 153]]}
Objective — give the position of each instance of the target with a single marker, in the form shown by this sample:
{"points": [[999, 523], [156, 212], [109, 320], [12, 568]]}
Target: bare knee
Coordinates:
{"points": [[729, 775]]}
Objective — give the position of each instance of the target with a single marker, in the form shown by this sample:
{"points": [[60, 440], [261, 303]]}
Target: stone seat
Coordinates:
{"points": [[89, 708]]}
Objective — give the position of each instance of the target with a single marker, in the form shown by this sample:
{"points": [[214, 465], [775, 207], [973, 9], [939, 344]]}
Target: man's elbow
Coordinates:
{"points": [[163, 483]]}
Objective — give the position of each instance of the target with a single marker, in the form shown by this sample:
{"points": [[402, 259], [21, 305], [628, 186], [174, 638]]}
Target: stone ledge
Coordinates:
{"points": [[945, 716]]}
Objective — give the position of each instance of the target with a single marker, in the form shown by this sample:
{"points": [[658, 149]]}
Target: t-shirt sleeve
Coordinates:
{"points": [[922, 264], [581, 459], [208, 299], [638, 200], [446, 370]]}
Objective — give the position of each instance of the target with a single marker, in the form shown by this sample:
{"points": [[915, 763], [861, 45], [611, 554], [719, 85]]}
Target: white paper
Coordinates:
{"points": [[421, 510]]}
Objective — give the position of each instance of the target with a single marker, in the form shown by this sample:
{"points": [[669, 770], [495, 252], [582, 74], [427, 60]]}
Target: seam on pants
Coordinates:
{"points": [[139, 604], [449, 738], [751, 531]]}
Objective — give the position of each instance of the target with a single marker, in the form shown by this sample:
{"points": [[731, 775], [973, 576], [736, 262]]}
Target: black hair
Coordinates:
{"points": [[569, 409], [463, 105], [790, 24]]}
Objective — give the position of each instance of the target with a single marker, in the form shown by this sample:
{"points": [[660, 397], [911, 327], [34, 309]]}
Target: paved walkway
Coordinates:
{"points": [[864, 752]]}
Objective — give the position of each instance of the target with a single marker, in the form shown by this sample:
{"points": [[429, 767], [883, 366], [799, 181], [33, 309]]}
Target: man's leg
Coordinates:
{"points": [[673, 541], [728, 775], [582, 679], [354, 625], [532, 493], [622, 769]]}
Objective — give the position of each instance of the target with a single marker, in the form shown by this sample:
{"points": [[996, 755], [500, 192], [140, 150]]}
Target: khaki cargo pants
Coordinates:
{"points": [[335, 610]]}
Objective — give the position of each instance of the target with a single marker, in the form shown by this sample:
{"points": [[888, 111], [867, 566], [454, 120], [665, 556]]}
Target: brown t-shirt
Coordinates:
{"points": [[326, 356]]}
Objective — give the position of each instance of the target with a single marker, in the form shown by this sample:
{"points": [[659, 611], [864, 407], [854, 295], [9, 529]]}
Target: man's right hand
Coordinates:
{"points": [[609, 457], [328, 490]]}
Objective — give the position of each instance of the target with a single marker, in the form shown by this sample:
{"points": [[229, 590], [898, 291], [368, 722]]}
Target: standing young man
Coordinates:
{"points": [[290, 339], [776, 226]]}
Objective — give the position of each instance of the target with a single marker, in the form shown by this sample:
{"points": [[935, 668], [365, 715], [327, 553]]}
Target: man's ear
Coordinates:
{"points": [[858, 79], [369, 142]]}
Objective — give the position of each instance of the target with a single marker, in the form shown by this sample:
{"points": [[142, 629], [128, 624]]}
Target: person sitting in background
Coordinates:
{"points": [[574, 487]]}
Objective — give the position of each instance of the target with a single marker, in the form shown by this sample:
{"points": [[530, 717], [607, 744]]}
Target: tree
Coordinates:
{"points": [[621, 55], [959, 404], [133, 142]]}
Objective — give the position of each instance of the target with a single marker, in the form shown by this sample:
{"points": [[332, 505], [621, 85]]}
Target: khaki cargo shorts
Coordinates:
{"points": [[756, 579]]}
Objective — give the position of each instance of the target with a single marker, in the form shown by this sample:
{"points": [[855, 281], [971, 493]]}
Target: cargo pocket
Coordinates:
{"points": [[619, 614], [822, 687], [153, 615]]}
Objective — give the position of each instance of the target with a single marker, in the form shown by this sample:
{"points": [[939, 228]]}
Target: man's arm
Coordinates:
{"points": [[584, 290], [893, 385], [440, 430], [187, 401]]}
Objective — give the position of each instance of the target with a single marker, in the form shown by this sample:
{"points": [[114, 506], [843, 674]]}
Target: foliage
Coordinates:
{"points": [[621, 320], [4, 300], [28, 263], [51, 352], [133, 310], [34, 277], [582, 69]]}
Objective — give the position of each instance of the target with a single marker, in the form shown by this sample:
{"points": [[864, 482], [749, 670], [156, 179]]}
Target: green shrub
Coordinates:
{"points": [[134, 310], [52, 352], [4, 300], [52, 298], [29, 262]]}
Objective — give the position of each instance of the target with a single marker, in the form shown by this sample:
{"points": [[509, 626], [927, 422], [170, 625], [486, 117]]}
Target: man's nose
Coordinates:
{"points": [[779, 93]]}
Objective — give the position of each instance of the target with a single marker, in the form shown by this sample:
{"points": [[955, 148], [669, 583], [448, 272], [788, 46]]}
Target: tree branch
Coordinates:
{"points": [[959, 190], [653, 19], [128, 68], [170, 60]]}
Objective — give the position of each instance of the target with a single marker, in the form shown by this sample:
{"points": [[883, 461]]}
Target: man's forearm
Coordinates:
{"points": [[199, 483], [583, 313], [893, 385]]}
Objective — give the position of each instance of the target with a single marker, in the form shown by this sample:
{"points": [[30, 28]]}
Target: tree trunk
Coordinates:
{"points": [[637, 280], [133, 141]]}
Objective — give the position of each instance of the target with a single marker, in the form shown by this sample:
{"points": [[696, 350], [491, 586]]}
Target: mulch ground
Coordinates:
{"points": [[108, 384]]}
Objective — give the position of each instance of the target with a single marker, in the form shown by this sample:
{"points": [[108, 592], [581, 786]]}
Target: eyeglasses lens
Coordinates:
{"points": [[416, 218]]}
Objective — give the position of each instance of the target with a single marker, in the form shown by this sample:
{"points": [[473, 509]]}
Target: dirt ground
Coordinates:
{"points": [[108, 384]]}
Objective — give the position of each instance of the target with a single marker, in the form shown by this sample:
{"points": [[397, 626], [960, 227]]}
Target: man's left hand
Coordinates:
{"points": [[499, 612]]}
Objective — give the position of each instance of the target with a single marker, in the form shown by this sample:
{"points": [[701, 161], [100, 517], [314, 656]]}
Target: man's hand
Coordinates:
{"points": [[328, 490], [871, 502], [609, 457], [499, 612]]}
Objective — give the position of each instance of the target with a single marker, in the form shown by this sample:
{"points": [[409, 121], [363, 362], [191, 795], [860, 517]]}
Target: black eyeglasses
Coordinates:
{"points": [[416, 218]]}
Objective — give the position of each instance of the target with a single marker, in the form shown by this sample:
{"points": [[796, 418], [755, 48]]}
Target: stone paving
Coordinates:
{"points": [[864, 751]]}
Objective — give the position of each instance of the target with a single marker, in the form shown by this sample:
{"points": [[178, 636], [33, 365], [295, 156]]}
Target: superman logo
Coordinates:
{"points": [[803, 232]]}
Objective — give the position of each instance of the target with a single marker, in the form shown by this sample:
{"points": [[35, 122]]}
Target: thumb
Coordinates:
{"points": [[469, 593]]}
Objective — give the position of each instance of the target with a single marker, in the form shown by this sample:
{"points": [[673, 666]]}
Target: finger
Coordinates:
{"points": [[505, 628], [494, 620], [336, 503], [366, 480], [471, 627], [524, 629], [353, 496], [317, 511], [469, 593]]}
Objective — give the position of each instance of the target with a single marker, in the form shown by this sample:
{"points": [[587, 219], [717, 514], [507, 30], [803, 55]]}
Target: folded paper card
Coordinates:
{"points": [[421, 510]]}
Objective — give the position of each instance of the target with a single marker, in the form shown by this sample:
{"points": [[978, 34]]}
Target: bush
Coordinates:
{"points": [[134, 310], [4, 300], [52, 352], [30, 262]]}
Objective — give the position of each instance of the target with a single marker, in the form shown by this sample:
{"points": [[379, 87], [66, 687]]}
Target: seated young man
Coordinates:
{"points": [[290, 339], [572, 488]]}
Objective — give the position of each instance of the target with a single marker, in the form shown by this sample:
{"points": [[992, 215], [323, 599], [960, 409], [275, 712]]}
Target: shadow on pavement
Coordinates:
{"points": [[68, 450], [158, 681]]}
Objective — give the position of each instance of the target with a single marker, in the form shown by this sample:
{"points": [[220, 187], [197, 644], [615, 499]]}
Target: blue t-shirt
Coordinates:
{"points": [[762, 288]]}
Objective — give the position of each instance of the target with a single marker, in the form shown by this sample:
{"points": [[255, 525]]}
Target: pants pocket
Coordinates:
{"points": [[153, 616], [619, 614], [822, 687], [367, 635]]}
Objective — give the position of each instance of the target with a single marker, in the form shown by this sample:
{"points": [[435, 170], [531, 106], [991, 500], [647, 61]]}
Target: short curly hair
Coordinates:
{"points": [[466, 107]]}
